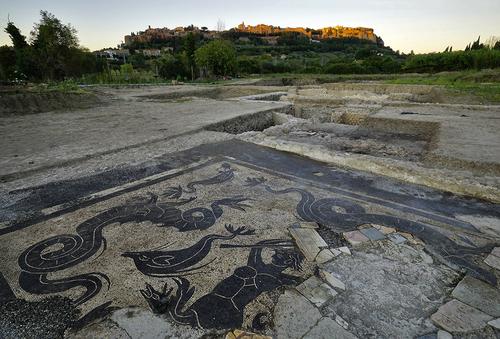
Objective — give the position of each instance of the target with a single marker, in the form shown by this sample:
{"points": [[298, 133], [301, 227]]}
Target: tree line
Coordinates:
{"points": [[475, 56], [52, 53]]}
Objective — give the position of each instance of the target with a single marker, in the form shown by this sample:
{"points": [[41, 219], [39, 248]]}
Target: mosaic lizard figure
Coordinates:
{"points": [[223, 307]]}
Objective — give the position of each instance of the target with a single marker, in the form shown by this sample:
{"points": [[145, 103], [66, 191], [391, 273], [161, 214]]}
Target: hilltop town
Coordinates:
{"points": [[167, 34], [269, 33], [316, 34]]}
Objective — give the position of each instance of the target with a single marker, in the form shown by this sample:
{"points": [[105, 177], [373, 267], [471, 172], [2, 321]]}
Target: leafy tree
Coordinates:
{"points": [[293, 39], [189, 50], [248, 65], [276, 67], [25, 63], [453, 61], [52, 54], [7, 63], [138, 60], [218, 57], [18, 40], [127, 70], [53, 43], [170, 67], [477, 44], [364, 53]]}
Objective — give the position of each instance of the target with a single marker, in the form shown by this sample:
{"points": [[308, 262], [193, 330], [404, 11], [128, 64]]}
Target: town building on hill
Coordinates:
{"points": [[348, 32], [323, 33], [166, 34], [114, 54]]}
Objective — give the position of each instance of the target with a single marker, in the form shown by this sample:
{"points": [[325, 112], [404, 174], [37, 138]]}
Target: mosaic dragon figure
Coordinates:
{"points": [[67, 250]]}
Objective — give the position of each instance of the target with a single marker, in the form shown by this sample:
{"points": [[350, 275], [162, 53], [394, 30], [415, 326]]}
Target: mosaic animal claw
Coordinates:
{"points": [[239, 231], [157, 301]]}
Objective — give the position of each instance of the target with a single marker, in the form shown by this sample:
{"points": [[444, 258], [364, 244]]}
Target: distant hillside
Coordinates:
{"points": [[266, 49], [265, 34]]}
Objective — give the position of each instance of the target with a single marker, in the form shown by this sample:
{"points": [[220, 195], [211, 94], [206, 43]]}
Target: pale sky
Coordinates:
{"points": [[419, 25]]}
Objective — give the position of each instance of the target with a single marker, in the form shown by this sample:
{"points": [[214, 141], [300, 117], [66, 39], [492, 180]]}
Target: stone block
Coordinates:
{"points": [[139, 323], [344, 250], [335, 251], [373, 234], [364, 226], [239, 334], [304, 224], [294, 315], [385, 230], [332, 280], [309, 241], [444, 335], [312, 225], [355, 238], [428, 336], [341, 321], [455, 316], [328, 329], [325, 256], [495, 323], [397, 238], [103, 329], [493, 261], [496, 251], [478, 294], [316, 291], [411, 238]]}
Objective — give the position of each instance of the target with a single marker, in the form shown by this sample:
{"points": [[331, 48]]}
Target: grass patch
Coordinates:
{"points": [[66, 86], [484, 84]]}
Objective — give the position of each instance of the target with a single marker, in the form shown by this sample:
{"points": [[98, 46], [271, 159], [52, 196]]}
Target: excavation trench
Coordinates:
{"points": [[257, 122]]}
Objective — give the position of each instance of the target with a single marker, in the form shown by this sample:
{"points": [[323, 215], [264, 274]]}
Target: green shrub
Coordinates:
{"points": [[248, 65], [218, 57]]}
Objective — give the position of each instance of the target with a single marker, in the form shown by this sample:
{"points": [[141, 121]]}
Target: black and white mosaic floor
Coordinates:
{"points": [[204, 237]]}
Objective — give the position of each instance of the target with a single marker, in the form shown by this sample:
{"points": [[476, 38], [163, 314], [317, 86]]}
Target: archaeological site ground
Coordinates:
{"points": [[265, 208]]}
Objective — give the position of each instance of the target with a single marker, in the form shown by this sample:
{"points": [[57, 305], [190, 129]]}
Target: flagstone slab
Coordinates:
{"points": [[316, 291], [308, 241], [327, 329], [294, 315], [372, 233], [455, 316], [478, 294], [493, 261], [355, 238]]}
